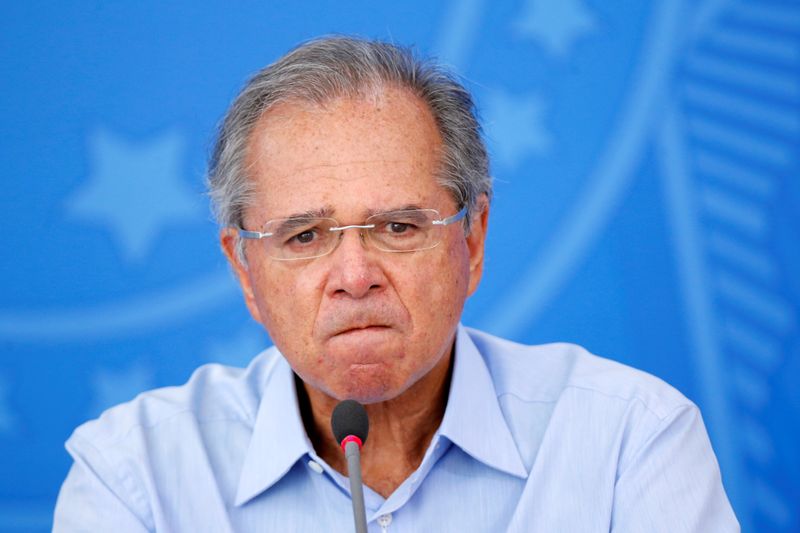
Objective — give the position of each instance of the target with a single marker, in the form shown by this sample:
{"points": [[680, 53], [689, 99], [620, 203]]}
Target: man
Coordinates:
{"points": [[352, 185]]}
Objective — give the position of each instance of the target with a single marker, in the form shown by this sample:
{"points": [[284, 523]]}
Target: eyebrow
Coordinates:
{"points": [[298, 220], [328, 212]]}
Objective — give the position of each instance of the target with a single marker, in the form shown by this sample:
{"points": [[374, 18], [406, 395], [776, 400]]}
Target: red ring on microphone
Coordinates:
{"points": [[351, 438]]}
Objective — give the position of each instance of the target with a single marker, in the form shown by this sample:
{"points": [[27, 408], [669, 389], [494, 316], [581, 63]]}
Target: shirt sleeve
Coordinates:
{"points": [[672, 484], [96, 497]]}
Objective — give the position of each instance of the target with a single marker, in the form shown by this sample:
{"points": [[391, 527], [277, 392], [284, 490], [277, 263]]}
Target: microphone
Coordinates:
{"points": [[350, 426]]}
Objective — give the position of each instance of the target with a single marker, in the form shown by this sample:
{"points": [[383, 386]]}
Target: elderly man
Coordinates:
{"points": [[352, 185]]}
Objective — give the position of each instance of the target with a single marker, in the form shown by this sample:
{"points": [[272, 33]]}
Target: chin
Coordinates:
{"points": [[368, 384]]}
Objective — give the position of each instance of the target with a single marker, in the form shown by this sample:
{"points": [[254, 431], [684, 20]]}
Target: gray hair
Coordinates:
{"points": [[327, 68]]}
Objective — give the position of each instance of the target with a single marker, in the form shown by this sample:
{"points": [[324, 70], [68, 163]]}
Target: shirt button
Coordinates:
{"points": [[384, 520], [315, 466]]}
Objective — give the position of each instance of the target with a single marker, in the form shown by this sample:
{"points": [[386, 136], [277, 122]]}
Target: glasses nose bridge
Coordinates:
{"points": [[362, 233]]}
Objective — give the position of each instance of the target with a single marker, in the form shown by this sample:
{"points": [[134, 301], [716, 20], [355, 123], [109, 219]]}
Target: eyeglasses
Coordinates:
{"points": [[301, 237]]}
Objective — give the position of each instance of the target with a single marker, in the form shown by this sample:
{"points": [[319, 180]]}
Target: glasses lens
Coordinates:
{"points": [[300, 238], [404, 231]]}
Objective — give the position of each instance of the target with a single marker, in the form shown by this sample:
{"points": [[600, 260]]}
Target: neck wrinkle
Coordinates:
{"points": [[401, 429]]}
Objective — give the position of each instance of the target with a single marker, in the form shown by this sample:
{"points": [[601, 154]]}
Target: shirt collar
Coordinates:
{"points": [[473, 419], [279, 439]]}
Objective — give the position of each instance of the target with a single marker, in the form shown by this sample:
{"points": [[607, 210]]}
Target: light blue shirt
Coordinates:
{"points": [[534, 439]]}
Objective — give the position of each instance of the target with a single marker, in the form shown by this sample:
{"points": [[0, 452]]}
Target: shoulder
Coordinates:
{"points": [[549, 372], [561, 401], [214, 392]]}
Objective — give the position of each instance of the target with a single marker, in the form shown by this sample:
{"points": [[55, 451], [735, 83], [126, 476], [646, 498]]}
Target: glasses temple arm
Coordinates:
{"points": [[245, 234], [449, 220]]}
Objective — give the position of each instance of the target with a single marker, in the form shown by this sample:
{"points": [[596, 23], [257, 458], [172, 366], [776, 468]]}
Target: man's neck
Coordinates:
{"points": [[400, 430]]}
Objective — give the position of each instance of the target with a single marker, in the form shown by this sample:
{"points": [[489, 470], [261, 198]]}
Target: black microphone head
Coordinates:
{"points": [[349, 418]]}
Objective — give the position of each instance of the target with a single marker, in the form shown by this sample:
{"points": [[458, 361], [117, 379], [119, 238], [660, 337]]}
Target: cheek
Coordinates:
{"points": [[441, 289], [454, 265], [286, 302]]}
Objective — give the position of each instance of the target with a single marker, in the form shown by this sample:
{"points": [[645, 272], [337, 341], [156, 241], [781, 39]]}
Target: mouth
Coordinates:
{"points": [[356, 330]]}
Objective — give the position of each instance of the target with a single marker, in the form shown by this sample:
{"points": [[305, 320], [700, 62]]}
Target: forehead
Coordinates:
{"points": [[370, 153]]}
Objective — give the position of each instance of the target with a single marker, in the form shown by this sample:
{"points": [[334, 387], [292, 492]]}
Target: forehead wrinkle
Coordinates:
{"points": [[406, 207], [328, 211], [322, 212], [336, 165]]}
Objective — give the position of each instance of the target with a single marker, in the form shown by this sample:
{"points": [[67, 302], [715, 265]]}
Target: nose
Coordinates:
{"points": [[354, 272]]}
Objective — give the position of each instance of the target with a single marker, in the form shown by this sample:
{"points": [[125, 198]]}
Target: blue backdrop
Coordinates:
{"points": [[647, 204]]}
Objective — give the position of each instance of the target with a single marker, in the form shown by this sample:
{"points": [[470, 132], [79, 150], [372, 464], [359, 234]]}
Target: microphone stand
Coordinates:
{"points": [[353, 454]]}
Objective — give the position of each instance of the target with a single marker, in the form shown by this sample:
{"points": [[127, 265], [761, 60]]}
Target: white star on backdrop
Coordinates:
{"points": [[515, 127], [240, 348], [556, 24], [8, 420], [135, 190], [111, 387]]}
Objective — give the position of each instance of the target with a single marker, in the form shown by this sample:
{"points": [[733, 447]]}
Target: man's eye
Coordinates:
{"points": [[398, 227], [304, 237], [394, 228]]}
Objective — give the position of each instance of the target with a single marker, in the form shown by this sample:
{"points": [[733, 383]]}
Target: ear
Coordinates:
{"points": [[228, 239], [476, 241]]}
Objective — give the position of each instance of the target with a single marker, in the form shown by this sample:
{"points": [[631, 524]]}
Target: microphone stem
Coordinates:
{"points": [[353, 455]]}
